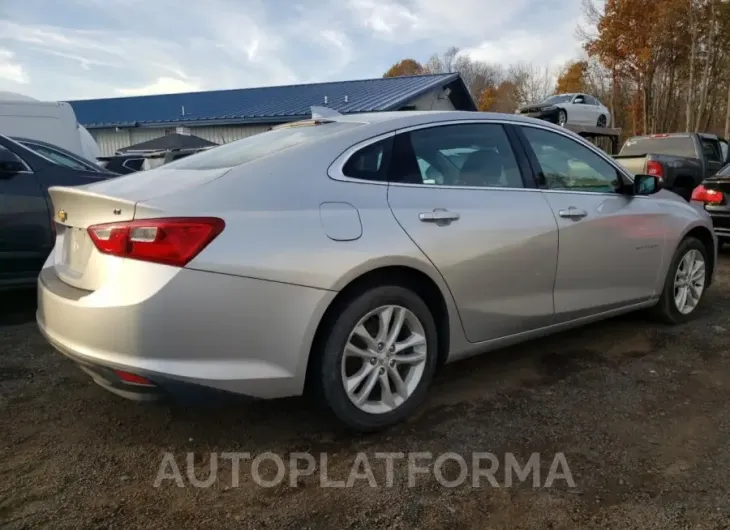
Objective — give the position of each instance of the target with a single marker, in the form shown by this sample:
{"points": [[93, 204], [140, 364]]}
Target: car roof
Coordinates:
{"points": [[407, 118]]}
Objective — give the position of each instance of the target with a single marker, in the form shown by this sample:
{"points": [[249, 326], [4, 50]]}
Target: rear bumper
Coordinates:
{"points": [[720, 216], [184, 329]]}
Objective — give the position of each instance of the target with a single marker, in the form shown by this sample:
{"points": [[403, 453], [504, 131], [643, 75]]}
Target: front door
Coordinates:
{"points": [[610, 245], [458, 192]]}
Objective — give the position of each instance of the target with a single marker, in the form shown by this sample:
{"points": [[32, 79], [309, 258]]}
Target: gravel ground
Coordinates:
{"points": [[641, 413]]}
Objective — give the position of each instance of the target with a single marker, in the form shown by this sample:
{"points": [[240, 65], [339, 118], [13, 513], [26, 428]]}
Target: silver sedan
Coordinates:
{"points": [[354, 255]]}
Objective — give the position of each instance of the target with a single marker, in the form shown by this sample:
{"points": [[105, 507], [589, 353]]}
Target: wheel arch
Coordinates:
{"points": [[707, 238], [406, 273]]}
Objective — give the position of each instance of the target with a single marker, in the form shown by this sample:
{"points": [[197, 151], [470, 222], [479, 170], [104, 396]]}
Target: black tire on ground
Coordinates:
{"points": [[562, 117], [326, 376], [666, 309], [601, 121]]}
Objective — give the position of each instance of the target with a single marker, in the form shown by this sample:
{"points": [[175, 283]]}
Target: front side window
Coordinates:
{"points": [[711, 150], [567, 165], [474, 155]]}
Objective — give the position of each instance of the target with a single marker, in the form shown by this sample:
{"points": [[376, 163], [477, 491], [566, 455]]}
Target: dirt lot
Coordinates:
{"points": [[641, 412]]}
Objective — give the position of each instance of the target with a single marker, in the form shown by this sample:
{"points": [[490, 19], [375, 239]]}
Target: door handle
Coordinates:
{"points": [[439, 215], [572, 213]]}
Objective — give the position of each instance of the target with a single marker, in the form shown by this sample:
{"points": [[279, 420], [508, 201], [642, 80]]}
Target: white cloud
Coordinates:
{"points": [[99, 51], [10, 70], [163, 85]]}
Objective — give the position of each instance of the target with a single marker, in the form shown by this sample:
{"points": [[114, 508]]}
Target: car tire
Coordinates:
{"points": [[602, 122], [330, 371], [668, 308], [562, 118]]}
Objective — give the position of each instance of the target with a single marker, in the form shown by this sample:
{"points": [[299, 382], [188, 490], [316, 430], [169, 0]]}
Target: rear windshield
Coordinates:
{"points": [[259, 145], [671, 145]]}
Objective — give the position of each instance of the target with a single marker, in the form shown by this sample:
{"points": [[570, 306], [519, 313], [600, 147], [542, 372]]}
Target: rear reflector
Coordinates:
{"points": [[134, 379], [707, 196], [170, 241]]}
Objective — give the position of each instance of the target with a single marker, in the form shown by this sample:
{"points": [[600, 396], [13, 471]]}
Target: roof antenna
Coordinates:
{"points": [[323, 113]]}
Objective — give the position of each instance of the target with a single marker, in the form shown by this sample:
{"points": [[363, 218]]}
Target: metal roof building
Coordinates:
{"points": [[225, 115]]}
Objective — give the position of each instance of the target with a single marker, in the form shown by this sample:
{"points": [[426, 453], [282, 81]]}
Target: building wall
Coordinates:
{"points": [[110, 140]]}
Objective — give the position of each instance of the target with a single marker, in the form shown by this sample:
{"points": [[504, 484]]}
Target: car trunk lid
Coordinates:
{"points": [[75, 258]]}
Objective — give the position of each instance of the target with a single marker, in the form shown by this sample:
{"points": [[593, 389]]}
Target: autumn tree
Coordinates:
{"points": [[502, 98], [478, 76], [572, 78], [405, 67]]}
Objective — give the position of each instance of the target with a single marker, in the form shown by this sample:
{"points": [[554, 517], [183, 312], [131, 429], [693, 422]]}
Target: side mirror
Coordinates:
{"points": [[646, 184], [579, 100], [10, 164]]}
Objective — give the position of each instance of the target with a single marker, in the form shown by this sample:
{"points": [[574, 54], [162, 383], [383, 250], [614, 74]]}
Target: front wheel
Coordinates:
{"points": [[601, 121], [378, 358], [562, 118], [685, 283]]}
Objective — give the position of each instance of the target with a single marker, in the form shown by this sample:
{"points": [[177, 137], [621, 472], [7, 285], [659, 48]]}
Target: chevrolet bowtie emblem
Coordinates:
{"points": [[62, 216]]}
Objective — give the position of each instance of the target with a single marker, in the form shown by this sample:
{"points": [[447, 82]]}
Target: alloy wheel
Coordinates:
{"points": [[689, 281], [562, 118], [384, 359]]}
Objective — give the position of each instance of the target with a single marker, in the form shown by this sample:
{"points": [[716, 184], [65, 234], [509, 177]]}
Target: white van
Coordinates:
{"points": [[49, 121]]}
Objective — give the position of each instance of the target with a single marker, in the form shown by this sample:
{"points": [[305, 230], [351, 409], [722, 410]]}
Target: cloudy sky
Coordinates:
{"points": [[77, 49]]}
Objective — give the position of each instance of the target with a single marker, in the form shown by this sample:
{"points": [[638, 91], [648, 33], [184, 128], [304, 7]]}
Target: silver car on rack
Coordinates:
{"points": [[354, 255]]}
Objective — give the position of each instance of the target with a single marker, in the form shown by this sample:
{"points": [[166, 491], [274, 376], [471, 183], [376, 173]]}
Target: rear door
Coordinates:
{"points": [[611, 244], [25, 225], [458, 191]]}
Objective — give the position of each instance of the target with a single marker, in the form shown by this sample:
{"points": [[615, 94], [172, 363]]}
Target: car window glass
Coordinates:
{"points": [[591, 101], [261, 145], [565, 164], [710, 149], [369, 162], [472, 154], [58, 157]]}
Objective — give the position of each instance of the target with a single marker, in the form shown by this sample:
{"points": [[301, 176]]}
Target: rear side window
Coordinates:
{"points": [[671, 145], [370, 162], [260, 145]]}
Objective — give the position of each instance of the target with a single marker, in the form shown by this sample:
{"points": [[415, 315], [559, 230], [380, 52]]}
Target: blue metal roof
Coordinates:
{"points": [[266, 104]]}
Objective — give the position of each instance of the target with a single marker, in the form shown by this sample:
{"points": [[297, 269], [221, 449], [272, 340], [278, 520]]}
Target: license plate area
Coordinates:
{"points": [[75, 249]]}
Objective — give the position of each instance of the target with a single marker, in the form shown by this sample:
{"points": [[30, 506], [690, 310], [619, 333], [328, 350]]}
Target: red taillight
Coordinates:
{"points": [[173, 241], [129, 377], [702, 194], [655, 169]]}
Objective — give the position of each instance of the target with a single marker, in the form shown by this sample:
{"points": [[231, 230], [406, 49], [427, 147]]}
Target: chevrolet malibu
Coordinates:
{"points": [[354, 255]]}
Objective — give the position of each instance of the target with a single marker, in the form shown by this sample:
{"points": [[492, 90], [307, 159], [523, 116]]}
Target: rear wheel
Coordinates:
{"points": [[685, 283], [377, 359], [601, 121]]}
